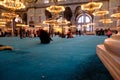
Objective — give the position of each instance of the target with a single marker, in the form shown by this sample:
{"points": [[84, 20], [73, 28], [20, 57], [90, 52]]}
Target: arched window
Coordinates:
{"points": [[87, 19], [61, 0], [84, 19], [81, 19], [46, 1]]}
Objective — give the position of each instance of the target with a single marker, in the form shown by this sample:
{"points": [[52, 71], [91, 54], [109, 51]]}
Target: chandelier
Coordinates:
{"points": [[100, 13], [55, 9], [91, 6], [91, 24], [2, 25], [50, 22], [116, 14], [64, 22], [106, 21], [2, 22], [12, 4], [5, 20], [56, 22], [9, 15]]}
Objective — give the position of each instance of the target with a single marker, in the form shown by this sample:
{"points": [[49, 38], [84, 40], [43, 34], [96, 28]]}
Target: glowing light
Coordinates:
{"points": [[106, 21], [117, 15], [50, 22], [12, 4], [9, 15], [91, 6], [101, 13], [55, 9]]}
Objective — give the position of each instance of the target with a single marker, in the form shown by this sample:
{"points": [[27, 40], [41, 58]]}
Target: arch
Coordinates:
{"points": [[68, 13], [86, 15], [48, 14], [77, 11], [24, 17], [31, 1], [82, 20], [46, 1]]}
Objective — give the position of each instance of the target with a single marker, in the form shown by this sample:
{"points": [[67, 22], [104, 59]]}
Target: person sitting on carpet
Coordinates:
{"points": [[44, 37], [69, 34], [3, 47]]}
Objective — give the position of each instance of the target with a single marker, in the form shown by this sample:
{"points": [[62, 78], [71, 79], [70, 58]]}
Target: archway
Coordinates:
{"points": [[68, 13], [48, 14], [83, 20]]}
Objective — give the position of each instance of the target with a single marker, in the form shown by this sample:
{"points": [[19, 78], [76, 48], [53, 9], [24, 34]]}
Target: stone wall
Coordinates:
{"points": [[37, 11]]}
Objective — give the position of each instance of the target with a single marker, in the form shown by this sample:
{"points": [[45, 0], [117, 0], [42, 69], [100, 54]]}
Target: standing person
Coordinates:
{"points": [[79, 32], [109, 33], [38, 32], [21, 33], [0, 33]]}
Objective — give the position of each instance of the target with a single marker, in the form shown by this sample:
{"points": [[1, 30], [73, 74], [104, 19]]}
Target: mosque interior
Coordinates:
{"points": [[60, 16]]}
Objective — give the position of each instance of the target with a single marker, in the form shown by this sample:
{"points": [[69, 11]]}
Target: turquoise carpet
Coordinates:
{"points": [[62, 59]]}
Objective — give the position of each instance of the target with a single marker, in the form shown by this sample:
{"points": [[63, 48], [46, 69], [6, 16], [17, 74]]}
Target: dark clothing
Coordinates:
{"points": [[21, 33], [44, 37]]}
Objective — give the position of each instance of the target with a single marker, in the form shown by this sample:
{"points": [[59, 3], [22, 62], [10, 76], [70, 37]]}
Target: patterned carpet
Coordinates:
{"points": [[62, 59]]}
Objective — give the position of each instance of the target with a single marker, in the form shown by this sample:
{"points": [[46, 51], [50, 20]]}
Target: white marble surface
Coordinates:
{"points": [[113, 46], [111, 62]]}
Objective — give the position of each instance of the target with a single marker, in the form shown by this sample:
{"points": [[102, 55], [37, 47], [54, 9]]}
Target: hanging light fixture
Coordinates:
{"points": [[12, 4], [55, 9], [91, 6], [64, 22], [106, 21], [50, 22], [5, 20], [91, 24], [100, 13], [117, 15], [2, 22], [117, 12], [9, 15]]}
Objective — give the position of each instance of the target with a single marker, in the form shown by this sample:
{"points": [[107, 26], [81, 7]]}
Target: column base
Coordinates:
{"points": [[111, 62]]}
